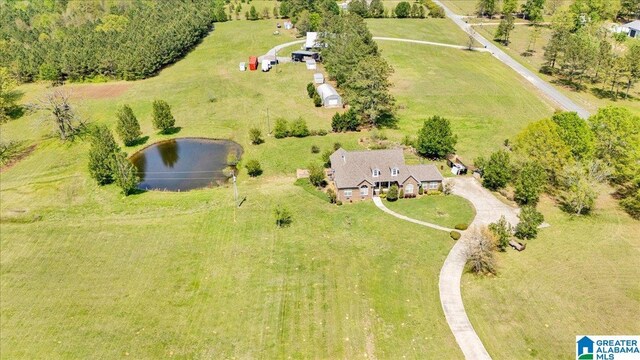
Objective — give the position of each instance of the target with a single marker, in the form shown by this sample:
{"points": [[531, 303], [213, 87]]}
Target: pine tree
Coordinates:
{"points": [[103, 148], [162, 118], [124, 173], [127, 126]]}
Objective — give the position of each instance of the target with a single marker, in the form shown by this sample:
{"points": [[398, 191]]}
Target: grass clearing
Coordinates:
{"points": [[443, 210], [436, 30], [580, 276]]}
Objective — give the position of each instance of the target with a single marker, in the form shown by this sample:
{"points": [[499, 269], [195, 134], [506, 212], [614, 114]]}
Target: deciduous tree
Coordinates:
{"points": [[435, 139]]}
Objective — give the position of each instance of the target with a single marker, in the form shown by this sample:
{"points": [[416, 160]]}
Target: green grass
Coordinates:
{"points": [[437, 209], [473, 90], [436, 30], [87, 273], [587, 98], [580, 276]]}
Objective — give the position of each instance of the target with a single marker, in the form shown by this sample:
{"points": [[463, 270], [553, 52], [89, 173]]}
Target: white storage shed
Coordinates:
{"points": [[329, 95], [311, 64], [318, 78]]}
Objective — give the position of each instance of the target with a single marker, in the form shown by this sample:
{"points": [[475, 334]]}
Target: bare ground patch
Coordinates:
{"points": [[100, 91], [16, 159]]}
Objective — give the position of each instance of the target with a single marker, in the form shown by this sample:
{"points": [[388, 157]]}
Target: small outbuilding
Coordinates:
{"points": [[633, 29], [243, 66], [329, 95], [311, 64], [253, 63], [311, 41], [318, 78], [288, 25]]}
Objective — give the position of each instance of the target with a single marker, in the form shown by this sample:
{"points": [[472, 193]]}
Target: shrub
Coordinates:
{"points": [[461, 226], [124, 173], [336, 146], [455, 235], [317, 101], [338, 202], [232, 158], [256, 136], [497, 171], [420, 190], [283, 216], [345, 122], [402, 10], [392, 194], [447, 189], [127, 126], [401, 195], [162, 118], [299, 128], [502, 231], [281, 129], [315, 149], [326, 158], [530, 219], [316, 175], [103, 148], [311, 90], [332, 196], [253, 168], [321, 132]]}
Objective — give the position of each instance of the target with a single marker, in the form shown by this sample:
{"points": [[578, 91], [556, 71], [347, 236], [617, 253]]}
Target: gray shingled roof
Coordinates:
{"points": [[633, 25], [352, 168]]}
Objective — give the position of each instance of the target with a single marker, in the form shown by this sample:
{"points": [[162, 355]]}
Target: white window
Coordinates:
{"points": [[376, 172], [364, 190], [408, 189], [395, 171], [433, 185], [347, 193]]}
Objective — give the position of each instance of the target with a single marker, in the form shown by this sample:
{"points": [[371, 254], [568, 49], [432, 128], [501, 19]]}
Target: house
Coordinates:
{"points": [[633, 29], [318, 78], [329, 95], [360, 175]]}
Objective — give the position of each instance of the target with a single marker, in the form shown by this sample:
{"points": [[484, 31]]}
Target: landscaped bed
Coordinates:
{"points": [[443, 210]]}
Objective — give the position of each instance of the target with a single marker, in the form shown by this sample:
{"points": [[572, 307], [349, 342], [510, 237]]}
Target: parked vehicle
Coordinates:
{"points": [[266, 65]]}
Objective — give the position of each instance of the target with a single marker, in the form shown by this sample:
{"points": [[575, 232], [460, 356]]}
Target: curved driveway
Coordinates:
{"points": [[488, 210]]}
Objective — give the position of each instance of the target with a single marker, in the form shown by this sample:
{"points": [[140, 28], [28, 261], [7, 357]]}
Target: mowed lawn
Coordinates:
{"points": [[436, 30], [86, 272], [580, 276], [485, 101], [442, 210]]}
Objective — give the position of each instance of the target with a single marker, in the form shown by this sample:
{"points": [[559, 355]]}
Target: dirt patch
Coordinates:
{"points": [[16, 159], [99, 91]]}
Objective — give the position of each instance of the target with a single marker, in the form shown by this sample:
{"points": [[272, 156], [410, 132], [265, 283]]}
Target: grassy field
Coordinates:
{"points": [[437, 209], [473, 90], [587, 98], [436, 30], [87, 273], [580, 276], [470, 7]]}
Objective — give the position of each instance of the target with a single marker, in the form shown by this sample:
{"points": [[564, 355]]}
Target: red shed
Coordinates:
{"points": [[253, 63]]}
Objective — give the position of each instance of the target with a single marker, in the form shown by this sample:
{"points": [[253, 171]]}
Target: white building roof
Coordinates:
{"points": [[326, 90], [633, 25], [311, 40]]}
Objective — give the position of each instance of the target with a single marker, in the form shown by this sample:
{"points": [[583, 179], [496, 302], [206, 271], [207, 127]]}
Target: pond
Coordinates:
{"points": [[185, 164]]}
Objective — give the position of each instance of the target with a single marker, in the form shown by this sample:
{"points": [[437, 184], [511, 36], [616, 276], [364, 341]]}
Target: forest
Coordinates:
{"points": [[93, 40]]}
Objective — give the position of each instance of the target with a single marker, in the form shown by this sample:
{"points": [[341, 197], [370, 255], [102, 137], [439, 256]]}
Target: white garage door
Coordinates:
{"points": [[333, 102]]}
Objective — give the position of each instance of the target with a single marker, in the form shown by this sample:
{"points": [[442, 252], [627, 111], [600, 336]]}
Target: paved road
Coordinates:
{"points": [[380, 205], [546, 88], [428, 43], [488, 210]]}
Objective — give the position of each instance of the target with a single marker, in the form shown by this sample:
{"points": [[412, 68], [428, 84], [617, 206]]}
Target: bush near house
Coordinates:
{"points": [[461, 226], [455, 235]]}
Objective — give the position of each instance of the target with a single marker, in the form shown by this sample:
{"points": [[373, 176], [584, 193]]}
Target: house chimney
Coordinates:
{"points": [[344, 158]]}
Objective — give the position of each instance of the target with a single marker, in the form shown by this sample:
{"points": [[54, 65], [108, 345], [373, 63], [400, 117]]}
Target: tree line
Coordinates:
{"points": [[79, 40], [581, 52], [568, 157]]}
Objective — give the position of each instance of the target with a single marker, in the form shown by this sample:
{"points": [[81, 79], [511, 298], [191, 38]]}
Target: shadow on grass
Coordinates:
{"points": [[172, 131], [137, 191], [570, 84], [611, 95], [139, 141]]}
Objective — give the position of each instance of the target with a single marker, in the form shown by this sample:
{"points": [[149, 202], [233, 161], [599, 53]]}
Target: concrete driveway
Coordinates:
{"points": [[488, 209]]}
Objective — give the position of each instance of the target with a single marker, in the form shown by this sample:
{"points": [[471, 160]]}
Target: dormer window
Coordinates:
{"points": [[376, 172], [395, 171]]}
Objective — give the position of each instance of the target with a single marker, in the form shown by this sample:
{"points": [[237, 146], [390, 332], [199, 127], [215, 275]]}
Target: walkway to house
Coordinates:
{"points": [[488, 210], [379, 204], [422, 42]]}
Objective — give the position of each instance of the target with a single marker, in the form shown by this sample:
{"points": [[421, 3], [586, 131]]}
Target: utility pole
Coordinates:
{"points": [[268, 124]]}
